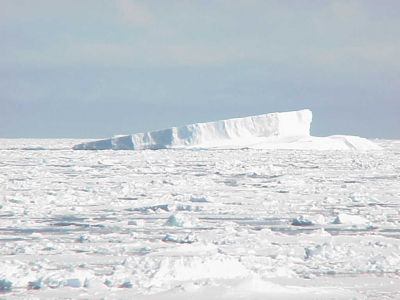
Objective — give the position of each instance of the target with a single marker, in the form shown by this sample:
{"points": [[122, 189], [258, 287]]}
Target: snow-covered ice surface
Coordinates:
{"points": [[285, 130], [198, 224]]}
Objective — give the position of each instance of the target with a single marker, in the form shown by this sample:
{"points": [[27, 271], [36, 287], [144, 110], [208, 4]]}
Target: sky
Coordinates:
{"points": [[95, 68]]}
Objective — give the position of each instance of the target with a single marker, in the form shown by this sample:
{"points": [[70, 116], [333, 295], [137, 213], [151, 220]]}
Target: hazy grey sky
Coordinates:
{"points": [[94, 68]]}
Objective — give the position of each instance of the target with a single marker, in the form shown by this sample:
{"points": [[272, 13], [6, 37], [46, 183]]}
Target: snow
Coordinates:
{"points": [[200, 224], [285, 130]]}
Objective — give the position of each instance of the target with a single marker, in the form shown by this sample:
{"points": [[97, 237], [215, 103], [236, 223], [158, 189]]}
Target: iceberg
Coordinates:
{"points": [[281, 130]]}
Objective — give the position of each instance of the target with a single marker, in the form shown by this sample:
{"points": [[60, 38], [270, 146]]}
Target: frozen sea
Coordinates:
{"points": [[199, 224]]}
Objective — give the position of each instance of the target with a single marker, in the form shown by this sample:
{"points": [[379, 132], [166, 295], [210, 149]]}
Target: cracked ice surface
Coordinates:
{"points": [[218, 224]]}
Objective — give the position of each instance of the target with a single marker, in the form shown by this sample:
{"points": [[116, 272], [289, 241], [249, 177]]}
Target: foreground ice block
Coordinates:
{"points": [[285, 130]]}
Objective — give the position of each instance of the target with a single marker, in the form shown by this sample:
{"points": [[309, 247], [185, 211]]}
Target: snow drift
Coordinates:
{"points": [[285, 130]]}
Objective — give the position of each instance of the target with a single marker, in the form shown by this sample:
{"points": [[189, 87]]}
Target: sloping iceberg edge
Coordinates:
{"points": [[284, 130]]}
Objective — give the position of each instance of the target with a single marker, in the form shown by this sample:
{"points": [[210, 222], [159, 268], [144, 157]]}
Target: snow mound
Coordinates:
{"points": [[285, 130]]}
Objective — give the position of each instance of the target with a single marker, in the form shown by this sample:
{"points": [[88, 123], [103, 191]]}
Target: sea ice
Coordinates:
{"points": [[93, 224]]}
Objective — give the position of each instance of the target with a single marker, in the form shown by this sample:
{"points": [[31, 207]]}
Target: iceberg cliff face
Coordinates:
{"points": [[286, 130], [219, 133]]}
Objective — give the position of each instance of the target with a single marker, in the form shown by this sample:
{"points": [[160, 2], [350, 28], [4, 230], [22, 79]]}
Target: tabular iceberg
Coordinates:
{"points": [[285, 130]]}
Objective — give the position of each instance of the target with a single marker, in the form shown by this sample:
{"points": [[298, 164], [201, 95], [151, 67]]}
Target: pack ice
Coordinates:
{"points": [[285, 130]]}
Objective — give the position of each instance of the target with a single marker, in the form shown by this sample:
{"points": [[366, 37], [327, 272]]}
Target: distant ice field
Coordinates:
{"points": [[198, 224]]}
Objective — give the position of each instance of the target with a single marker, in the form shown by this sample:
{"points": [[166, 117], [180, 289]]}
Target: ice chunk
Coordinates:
{"points": [[73, 282], [108, 283], [36, 284], [324, 250], [139, 223], [308, 220], [350, 220], [187, 239], [199, 199], [5, 285], [302, 221], [83, 239], [180, 220], [154, 208], [127, 284]]}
